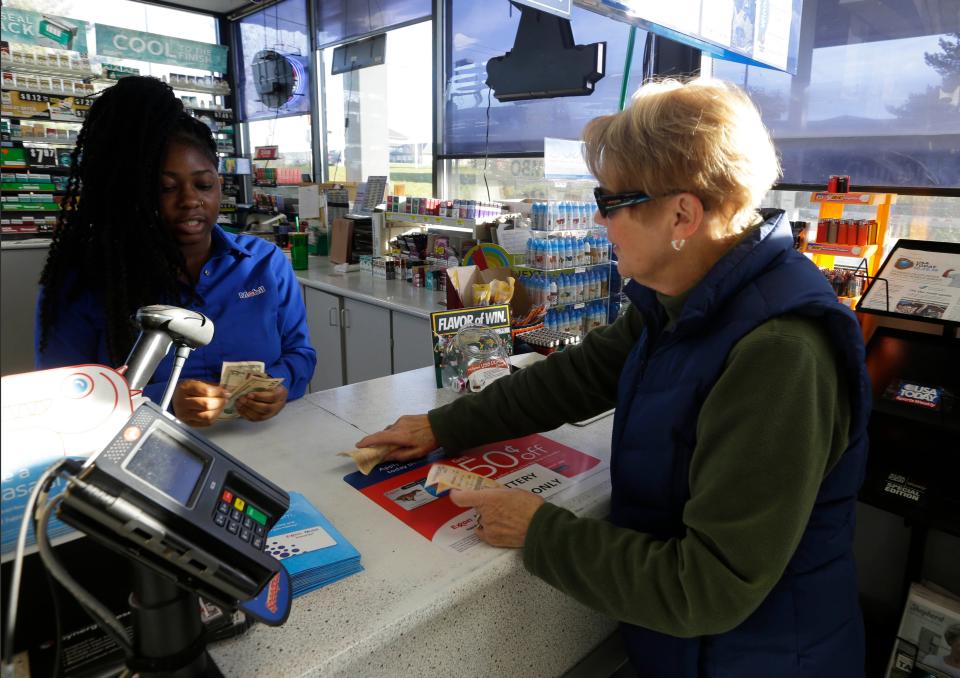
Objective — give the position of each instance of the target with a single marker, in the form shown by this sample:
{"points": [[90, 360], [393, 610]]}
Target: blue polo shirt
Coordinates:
{"points": [[249, 291]]}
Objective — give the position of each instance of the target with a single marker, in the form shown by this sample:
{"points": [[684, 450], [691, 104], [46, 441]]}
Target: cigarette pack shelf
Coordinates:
{"points": [[45, 98], [46, 95], [464, 225]]}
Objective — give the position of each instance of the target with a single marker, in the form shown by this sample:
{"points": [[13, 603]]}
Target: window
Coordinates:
{"points": [[509, 179], [380, 118], [342, 20], [918, 217], [291, 134], [482, 30], [876, 95], [275, 40]]}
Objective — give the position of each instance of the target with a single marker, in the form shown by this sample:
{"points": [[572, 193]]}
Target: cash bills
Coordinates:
{"points": [[366, 458], [444, 478], [241, 378]]}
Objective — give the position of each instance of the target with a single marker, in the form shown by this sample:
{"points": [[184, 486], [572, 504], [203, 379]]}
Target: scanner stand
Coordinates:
{"points": [[168, 635]]}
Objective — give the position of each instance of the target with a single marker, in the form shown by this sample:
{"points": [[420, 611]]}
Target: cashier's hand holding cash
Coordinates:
{"points": [[503, 515], [244, 391]]}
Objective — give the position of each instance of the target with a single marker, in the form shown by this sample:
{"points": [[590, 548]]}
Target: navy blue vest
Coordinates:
{"points": [[810, 624]]}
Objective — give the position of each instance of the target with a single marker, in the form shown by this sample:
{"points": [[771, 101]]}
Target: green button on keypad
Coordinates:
{"points": [[256, 515]]}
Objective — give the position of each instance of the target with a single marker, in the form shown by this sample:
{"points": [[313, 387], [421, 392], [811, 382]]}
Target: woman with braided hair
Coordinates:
{"points": [[138, 226]]}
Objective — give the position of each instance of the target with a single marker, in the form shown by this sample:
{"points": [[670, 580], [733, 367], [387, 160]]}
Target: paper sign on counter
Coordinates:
{"points": [[533, 463]]}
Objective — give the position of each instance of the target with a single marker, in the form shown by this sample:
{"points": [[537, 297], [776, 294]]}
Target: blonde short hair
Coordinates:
{"points": [[704, 136]]}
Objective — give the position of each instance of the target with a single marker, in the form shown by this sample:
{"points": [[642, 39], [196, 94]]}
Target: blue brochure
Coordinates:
{"points": [[311, 549]]}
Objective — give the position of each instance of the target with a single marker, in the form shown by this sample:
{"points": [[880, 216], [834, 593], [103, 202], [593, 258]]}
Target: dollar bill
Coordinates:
{"points": [[243, 377], [232, 374], [444, 478], [251, 385], [366, 458]]}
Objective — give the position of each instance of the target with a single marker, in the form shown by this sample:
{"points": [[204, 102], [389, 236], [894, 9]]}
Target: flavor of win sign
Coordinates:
{"points": [[444, 326], [161, 49]]}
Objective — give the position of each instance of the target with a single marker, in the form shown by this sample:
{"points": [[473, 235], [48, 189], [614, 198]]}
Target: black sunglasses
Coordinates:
{"points": [[608, 202]]}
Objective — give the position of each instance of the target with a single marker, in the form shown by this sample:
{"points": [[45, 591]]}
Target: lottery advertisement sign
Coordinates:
{"points": [[533, 463]]}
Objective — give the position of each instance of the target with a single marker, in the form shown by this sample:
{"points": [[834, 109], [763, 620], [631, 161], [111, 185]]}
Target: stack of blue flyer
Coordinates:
{"points": [[311, 549]]}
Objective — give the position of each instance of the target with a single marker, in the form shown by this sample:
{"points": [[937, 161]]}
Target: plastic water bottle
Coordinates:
{"points": [[581, 288]]}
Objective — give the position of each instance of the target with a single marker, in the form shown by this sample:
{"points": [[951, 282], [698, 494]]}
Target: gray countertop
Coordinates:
{"points": [[32, 244], [396, 295], [417, 608]]}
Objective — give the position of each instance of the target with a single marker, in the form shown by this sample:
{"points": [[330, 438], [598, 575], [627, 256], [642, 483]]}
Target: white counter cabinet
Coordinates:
{"points": [[20, 267], [356, 341], [363, 328], [323, 321], [366, 341], [412, 347]]}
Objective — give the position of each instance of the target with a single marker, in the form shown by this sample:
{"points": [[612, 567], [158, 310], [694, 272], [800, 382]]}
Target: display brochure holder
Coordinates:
{"points": [[921, 279], [915, 422]]}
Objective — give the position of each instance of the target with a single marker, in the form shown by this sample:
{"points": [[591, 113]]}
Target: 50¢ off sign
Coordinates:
{"points": [[533, 463]]}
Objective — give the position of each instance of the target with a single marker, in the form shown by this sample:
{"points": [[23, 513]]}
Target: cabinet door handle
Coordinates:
{"points": [[332, 316], [345, 318]]}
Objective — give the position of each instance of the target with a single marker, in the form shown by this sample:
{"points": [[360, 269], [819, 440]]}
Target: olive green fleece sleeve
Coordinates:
{"points": [[773, 425], [568, 386]]}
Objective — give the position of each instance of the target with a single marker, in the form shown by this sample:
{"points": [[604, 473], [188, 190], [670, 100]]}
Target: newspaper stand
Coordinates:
{"points": [[915, 422]]}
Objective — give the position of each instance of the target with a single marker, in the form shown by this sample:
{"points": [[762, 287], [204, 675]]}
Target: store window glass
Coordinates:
{"points": [[482, 30], [917, 217], [876, 95], [292, 137], [380, 119], [342, 20], [274, 45], [509, 179]]}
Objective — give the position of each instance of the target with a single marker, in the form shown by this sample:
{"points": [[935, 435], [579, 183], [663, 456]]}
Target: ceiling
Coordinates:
{"points": [[217, 6]]}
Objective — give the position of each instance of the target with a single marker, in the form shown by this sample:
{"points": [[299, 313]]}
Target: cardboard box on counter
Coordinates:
{"points": [[341, 241], [460, 281]]}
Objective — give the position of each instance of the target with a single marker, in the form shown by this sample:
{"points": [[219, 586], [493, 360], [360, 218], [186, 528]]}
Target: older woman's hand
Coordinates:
{"points": [[503, 516], [410, 437]]}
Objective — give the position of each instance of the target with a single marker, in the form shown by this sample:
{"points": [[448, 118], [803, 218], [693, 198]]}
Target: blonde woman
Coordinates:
{"points": [[741, 406]]}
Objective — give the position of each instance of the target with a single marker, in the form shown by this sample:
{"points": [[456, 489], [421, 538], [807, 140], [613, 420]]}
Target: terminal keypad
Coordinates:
{"points": [[242, 519]]}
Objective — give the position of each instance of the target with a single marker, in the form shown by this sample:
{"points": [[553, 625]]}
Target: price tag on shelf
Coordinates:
{"points": [[41, 157]]}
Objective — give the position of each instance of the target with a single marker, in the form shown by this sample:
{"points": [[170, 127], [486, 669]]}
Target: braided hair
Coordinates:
{"points": [[110, 239]]}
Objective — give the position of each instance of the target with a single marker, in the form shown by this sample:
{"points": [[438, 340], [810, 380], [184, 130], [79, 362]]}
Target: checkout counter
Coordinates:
{"points": [[417, 608]]}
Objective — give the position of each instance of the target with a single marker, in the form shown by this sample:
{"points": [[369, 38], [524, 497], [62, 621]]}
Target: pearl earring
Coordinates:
{"points": [[678, 244]]}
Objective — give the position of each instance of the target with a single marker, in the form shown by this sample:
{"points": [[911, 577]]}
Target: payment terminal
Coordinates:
{"points": [[174, 501]]}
